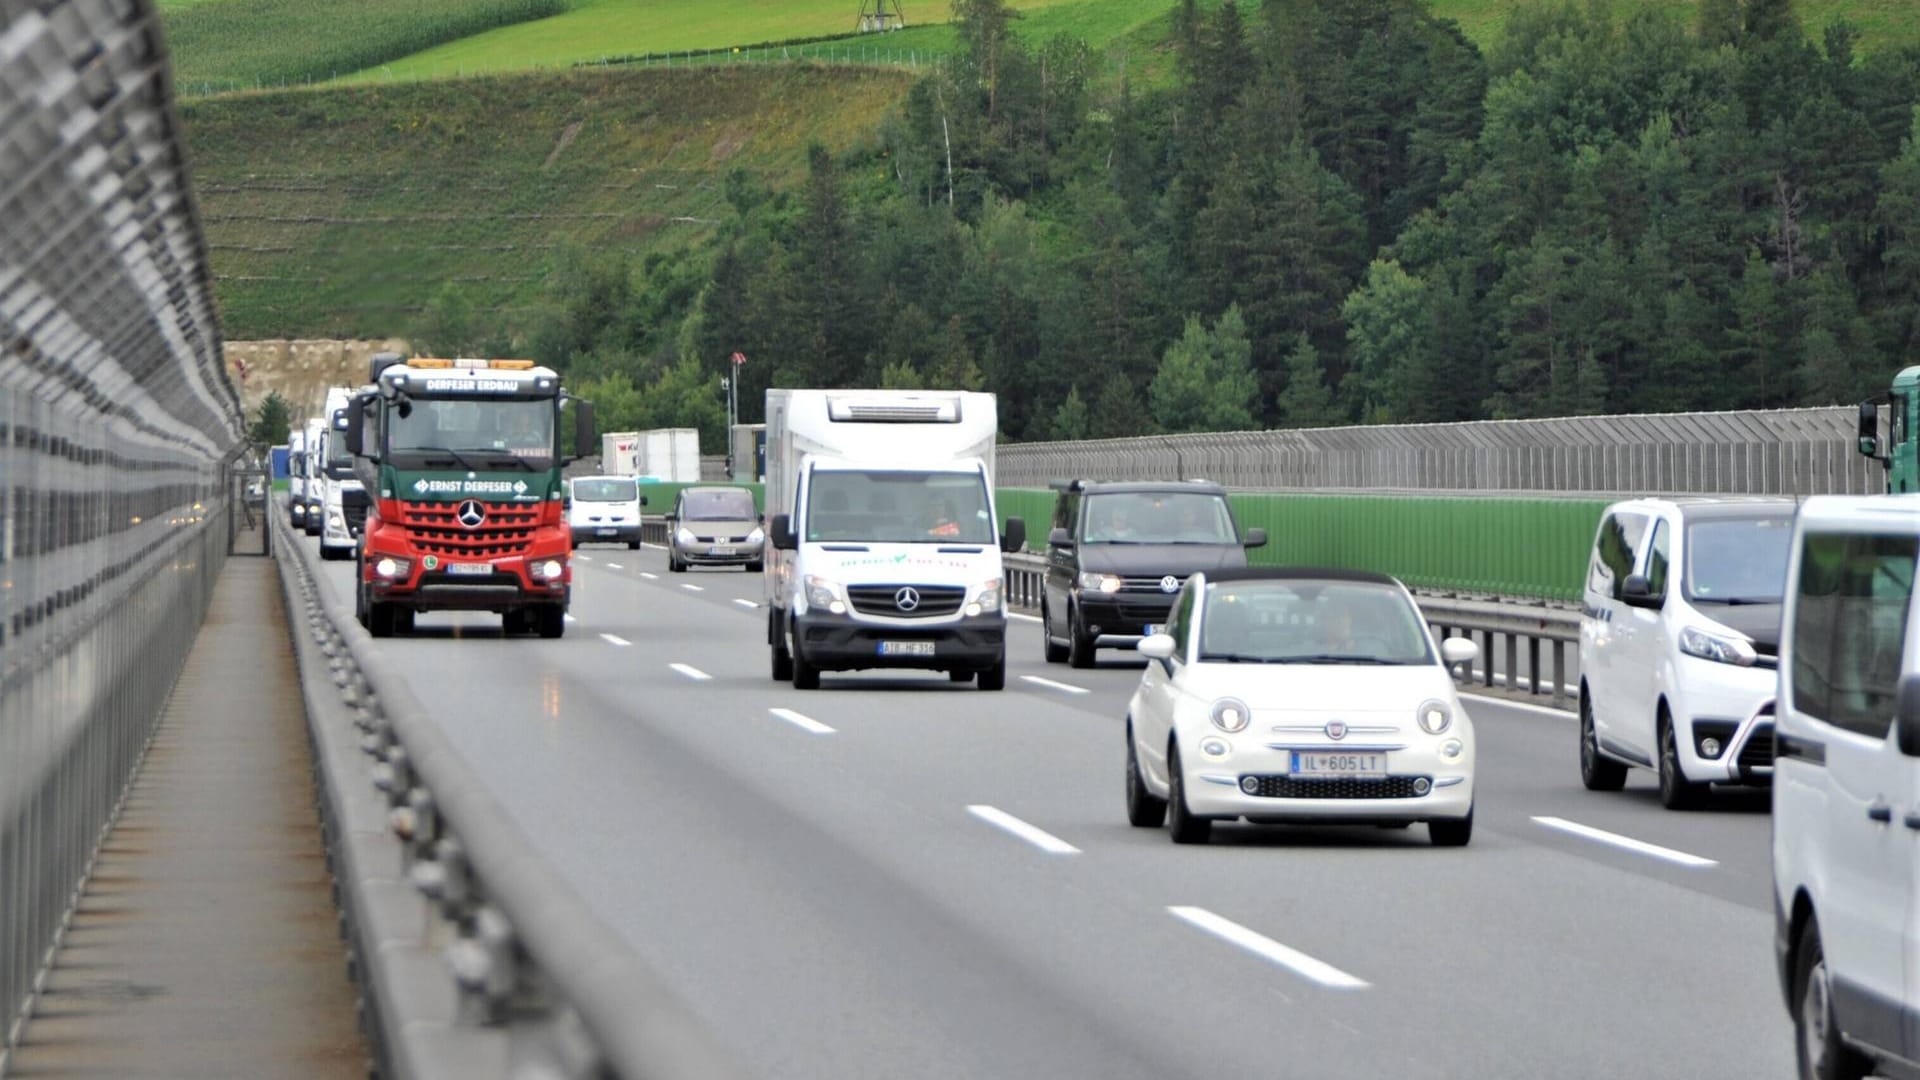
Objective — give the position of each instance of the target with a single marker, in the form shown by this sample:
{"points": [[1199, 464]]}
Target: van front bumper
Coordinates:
{"points": [[842, 643]]}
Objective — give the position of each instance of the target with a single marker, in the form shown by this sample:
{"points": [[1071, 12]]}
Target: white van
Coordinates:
{"points": [[1846, 790], [604, 510], [1679, 638]]}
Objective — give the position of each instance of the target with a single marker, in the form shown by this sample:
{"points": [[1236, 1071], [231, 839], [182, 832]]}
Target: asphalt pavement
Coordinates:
{"points": [[897, 876]]}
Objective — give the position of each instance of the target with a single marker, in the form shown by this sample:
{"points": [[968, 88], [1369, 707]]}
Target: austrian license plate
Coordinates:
{"points": [[473, 568], [721, 550], [1153, 628], [1342, 764], [605, 532], [906, 648]]}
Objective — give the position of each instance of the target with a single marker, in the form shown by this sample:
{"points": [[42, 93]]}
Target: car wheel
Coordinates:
{"points": [[1056, 652], [1451, 832], [1080, 647], [674, 565], [1181, 824], [805, 675], [1145, 810], [550, 621], [1596, 772], [995, 677], [960, 676], [755, 567], [1821, 1053], [1676, 791], [633, 545], [782, 666]]}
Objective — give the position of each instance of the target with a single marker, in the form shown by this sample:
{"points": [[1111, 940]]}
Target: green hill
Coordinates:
{"points": [[340, 212]]}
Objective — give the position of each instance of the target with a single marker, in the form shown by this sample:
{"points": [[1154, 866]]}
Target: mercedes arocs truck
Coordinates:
{"points": [[886, 545], [463, 460]]}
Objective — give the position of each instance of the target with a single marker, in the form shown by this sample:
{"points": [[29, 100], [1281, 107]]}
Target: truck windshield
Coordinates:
{"points": [[472, 429], [734, 504], [899, 508], [1159, 517], [605, 491], [1739, 561], [339, 462]]}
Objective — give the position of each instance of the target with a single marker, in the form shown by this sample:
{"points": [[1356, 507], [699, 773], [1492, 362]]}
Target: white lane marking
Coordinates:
{"points": [[745, 603], [1023, 618], [615, 639], [569, 617], [649, 577], [1038, 837], [806, 723], [615, 566], [577, 557], [1626, 843], [1261, 945], [693, 588], [691, 672], [1039, 680], [1544, 710]]}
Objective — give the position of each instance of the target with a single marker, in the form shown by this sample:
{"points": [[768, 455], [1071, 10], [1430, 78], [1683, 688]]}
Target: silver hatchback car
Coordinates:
{"points": [[715, 526]]}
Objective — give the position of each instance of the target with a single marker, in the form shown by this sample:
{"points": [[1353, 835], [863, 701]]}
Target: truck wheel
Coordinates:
{"points": [[550, 621], [963, 676], [516, 622], [403, 620], [995, 677], [1079, 645], [379, 619]]}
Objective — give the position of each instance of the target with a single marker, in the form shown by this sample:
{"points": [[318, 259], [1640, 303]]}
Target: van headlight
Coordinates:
{"points": [[1230, 715], [1721, 650], [1106, 583], [1435, 717], [989, 598], [822, 593]]}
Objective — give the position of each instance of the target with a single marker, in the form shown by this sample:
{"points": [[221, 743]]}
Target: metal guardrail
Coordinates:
{"points": [[528, 960], [116, 426], [1782, 451]]}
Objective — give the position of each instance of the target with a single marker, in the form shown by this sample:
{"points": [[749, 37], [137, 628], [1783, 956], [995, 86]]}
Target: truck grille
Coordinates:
{"points": [[1283, 786], [436, 530], [935, 600]]}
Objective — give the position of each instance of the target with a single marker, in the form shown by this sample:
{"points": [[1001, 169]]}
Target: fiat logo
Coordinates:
{"points": [[471, 514], [1336, 729], [1169, 584], [907, 598]]}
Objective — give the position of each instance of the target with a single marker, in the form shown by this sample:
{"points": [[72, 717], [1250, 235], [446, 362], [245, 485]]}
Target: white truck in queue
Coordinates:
{"points": [[314, 443], [886, 545], [297, 478], [341, 498], [667, 455]]}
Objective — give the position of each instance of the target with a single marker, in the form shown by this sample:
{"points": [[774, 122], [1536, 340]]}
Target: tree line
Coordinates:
{"points": [[1335, 211]]}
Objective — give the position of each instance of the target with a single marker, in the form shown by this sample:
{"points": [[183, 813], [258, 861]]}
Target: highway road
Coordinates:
{"points": [[896, 876]]}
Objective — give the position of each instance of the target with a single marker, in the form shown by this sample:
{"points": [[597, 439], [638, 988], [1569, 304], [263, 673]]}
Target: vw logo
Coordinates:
{"points": [[907, 599], [471, 514], [1169, 584], [1336, 729]]}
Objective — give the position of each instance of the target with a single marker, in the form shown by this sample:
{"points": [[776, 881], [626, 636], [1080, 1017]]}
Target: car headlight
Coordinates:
{"points": [[393, 568], [1105, 583], [685, 536], [757, 536], [1230, 715], [989, 599], [1435, 717], [547, 569], [822, 593], [1721, 650]]}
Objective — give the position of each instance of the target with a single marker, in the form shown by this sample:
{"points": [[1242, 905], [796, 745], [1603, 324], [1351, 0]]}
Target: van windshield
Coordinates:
{"points": [[1738, 561], [605, 491], [1159, 517], [899, 507]]}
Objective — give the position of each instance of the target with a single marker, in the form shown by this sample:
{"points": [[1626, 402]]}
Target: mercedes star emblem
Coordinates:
{"points": [[1169, 584], [471, 514], [907, 599], [1336, 729]]}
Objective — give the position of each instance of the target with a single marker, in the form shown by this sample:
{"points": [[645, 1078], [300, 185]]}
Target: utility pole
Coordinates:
{"points": [[732, 385]]}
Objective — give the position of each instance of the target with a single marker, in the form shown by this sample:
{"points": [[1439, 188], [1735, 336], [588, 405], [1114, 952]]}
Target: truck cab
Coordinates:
{"points": [[297, 478], [342, 498], [314, 463], [1899, 451], [463, 460], [886, 544]]}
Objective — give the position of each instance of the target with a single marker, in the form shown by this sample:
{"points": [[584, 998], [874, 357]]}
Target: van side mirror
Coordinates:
{"points": [[1636, 591], [566, 502], [1906, 717], [643, 500], [1256, 538], [781, 533], [1015, 538], [1060, 538], [584, 436]]}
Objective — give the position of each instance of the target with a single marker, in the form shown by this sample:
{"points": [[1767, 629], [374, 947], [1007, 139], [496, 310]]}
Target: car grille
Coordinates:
{"points": [[935, 600], [1758, 751], [354, 505], [720, 539], [436, 530], [1286, 787], [1138, 585]]}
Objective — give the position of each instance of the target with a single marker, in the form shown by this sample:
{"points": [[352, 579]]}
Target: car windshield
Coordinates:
{"points": [[1739, 561], [484, 428], [724, 504], [1309, 621], [597, 490], [899, 507], [1158, 517]]}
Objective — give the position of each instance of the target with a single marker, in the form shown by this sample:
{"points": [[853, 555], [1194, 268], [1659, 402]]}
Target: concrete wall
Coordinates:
{"points": [[300, 370]]}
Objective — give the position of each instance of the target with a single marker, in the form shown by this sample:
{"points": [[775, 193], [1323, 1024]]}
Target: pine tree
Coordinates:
{"points": [[1117, 411], [1071, 420], [1719, 22], [272, 421], [1386, 331], [1205, 382], [1305, 402]]}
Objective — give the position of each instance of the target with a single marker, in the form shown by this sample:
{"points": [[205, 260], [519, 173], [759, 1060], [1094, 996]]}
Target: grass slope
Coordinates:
{"points": [[339, 213]]}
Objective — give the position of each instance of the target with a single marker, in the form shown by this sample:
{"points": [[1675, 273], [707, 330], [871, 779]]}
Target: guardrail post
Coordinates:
{"points": [[1559, 674], [1533, 665], [1513, 667], [1486, 653]]}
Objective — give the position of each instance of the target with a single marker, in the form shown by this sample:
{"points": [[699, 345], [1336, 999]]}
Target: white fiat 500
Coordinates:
{"points": [[1299, 696]]}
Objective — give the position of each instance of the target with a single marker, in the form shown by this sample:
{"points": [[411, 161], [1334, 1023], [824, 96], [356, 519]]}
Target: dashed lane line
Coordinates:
{"points": [[1032, 834], [1625, 843], [1260, 945]]}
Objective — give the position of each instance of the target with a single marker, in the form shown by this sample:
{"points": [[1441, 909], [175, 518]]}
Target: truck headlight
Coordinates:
{"points": [[1721, 650], [547, 569], [1435, 717], [392, 567], [822, 593], [1230, 715], [684, 536], [1106, 583]]}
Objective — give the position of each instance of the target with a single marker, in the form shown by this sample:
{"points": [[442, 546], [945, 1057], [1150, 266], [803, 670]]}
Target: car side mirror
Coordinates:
{"points": [[1906, 717], [781, 533], [1060, 538], [566, 502], [1157, 646], [1459, 650], [1015, 538], [584, 436], [1636, 591], [672, 517], [1256, 538]]}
